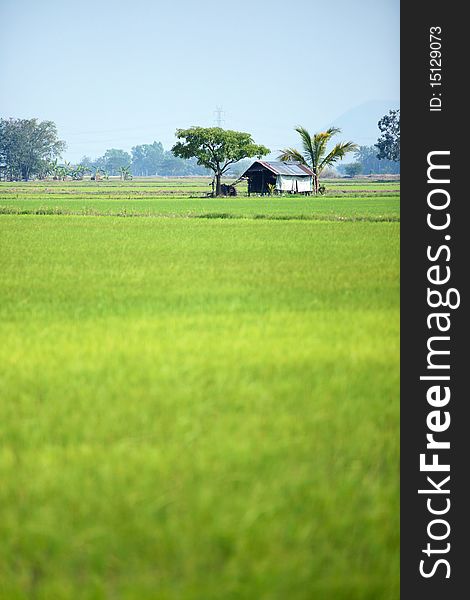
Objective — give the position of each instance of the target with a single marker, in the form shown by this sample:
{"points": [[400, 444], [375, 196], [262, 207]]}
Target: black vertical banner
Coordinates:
{"points": [[435, 259]]}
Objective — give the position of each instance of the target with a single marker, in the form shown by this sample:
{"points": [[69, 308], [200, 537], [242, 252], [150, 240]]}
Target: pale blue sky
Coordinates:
{"points": [[116, 74]]}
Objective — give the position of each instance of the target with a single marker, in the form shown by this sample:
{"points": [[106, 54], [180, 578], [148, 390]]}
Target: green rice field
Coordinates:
{"points": [[199, 401]]}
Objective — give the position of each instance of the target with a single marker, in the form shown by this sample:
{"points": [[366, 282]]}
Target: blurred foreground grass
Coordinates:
{"points": [[198, 409]]}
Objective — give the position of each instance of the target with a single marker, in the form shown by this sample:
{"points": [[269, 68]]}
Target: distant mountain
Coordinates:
{"points": [[359, 124]]}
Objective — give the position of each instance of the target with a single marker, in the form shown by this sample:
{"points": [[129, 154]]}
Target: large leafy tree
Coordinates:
{"points": [[388, 144], [367, 156], [172, 165], [114, 159], [27, 146], [216, 148], [146, 158], [315, 153]]}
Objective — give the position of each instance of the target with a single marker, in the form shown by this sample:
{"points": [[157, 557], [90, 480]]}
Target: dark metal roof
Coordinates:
{"points": [[282, 168]]}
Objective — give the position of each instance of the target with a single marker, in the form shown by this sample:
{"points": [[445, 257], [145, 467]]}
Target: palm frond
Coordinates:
{"points": [[314, 149], [331, 131], [308, 144], [320, 142], [291, 154]]}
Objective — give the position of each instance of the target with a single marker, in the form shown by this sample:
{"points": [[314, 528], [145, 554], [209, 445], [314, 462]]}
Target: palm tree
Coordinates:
{"points": [[125, 173], [53, 168], [78, 172], [314, 152], [61, 172]]}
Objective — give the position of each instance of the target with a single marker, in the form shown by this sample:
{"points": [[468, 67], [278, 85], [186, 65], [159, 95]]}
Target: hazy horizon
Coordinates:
{"points": [[111, 76]]}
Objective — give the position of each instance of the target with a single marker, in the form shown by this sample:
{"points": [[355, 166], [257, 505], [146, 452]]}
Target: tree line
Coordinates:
{"points": [[367, 163], [142, 161], [30, 148]]}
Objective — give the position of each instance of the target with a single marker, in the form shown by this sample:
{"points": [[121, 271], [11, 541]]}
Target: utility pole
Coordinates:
{"points": [[218, 116]]}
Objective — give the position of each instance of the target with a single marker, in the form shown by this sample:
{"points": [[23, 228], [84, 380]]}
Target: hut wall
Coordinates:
{"points": [[258, 181], [293, 183]]}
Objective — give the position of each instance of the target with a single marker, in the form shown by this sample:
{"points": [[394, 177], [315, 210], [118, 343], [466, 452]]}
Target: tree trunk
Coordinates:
{"points": [[217, 184], [315, 183]]}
